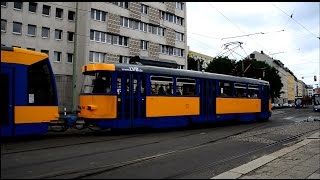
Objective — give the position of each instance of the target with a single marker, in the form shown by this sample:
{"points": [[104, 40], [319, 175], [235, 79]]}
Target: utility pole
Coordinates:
{"points": [[74, 64]]}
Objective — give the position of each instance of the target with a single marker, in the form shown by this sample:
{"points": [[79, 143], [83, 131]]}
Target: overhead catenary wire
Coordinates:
{"points": [[236, 26], [296, 21]]}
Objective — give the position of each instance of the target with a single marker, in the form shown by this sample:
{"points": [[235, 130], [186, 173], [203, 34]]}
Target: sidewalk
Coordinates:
{"points": [[300, 161]]}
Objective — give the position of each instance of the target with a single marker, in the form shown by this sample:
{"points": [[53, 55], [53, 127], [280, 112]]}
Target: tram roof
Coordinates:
{"points": [[21, 55], [169, 71]]}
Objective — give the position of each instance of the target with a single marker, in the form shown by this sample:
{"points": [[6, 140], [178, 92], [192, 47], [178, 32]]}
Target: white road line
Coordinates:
{"points": [[290, 117]]}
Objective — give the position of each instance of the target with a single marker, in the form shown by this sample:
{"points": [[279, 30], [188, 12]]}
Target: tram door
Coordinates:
{"points": [[6, 102], [208, 99], [132, 100]]}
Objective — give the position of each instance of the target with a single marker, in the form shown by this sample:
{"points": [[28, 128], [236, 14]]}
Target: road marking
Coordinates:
{"points": [[290, 117]]}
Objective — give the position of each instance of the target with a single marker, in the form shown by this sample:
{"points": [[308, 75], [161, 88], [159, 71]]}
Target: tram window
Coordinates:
{"points": [[161, 85], [97, 82], [225, 89], [186, 86], [40, 84], [119, 86], [253, 91], [240, 90]]}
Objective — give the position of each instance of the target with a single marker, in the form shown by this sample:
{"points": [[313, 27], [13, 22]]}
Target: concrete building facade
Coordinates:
{"points": [[291, 86], [278, 65], [310, 90], [104, 32]]}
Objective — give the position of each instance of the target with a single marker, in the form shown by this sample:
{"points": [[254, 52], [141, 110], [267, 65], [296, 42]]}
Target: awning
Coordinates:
{"points": [[153, 62]]}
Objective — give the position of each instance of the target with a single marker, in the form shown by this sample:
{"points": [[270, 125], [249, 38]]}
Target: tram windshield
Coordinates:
{"points": [[97, 83]]}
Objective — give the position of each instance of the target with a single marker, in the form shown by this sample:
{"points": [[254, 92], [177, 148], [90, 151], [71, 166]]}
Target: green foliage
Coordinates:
{"points": [[193, 64], [221, 65], [248, 68]]}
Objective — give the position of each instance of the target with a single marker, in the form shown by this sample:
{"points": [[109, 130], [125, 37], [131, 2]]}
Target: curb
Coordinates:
{"points": [[252, 165]]}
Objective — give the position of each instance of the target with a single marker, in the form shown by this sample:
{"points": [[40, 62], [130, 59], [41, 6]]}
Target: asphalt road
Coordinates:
{"points": [[198, 152]]}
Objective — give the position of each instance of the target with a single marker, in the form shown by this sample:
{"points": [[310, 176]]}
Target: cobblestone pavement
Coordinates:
{"points": [[299, 161]]}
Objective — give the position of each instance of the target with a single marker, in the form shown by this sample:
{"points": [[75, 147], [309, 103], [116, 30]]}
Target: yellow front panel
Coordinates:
{"points": [[35, 114], [172, 106], [22, 56], [237, 105], [270, 105], [98, 107], [98, 67]]}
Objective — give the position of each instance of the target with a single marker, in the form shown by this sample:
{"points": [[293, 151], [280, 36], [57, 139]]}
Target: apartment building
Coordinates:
{"points": [[279, 66], [77, 33], [291, 86]]}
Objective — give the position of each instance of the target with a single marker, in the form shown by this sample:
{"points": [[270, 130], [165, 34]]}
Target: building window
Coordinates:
{"points": [[17, 27], [59, 13], [144, 45], [58, 34], [17, 5], [122, 4], [46, 10], [180, 66], [33, 7], [45, 32], [124, 59], [115, 40], [70, 57], [45, 51], [179, 36], [71, 15], [96, 57], [32, 49], [144, 9], [32, 29], [3, 25], [179, 5], [57, 56], [3, 4], [123, 41], [98, 15], [70, 36]]}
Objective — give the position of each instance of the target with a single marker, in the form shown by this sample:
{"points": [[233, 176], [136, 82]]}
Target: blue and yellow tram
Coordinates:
{"points": [[130, 96], [28, 92]]}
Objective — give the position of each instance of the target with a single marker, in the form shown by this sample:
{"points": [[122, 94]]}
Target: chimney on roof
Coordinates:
{"points": [[261, 52]]}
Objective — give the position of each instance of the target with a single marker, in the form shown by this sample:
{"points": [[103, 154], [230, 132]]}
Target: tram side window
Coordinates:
{"points": [[142, 86], [97, 82], [186, 87], [40, 84], [225, 89], [253, 91], [161, 85], [240, 90]]}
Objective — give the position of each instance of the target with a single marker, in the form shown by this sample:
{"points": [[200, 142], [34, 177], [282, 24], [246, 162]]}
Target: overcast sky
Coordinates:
{"points": [[208, 23]]}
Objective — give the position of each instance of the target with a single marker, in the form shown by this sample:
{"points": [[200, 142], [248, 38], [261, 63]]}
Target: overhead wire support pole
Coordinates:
{"points": [[74, 64]]}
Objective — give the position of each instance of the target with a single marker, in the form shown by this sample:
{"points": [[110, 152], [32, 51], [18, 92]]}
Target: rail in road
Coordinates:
{"points": [[247, 133]]}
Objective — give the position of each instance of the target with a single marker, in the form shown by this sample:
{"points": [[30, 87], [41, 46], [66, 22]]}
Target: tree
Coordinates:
{"points": [[221, 65], [248, 68], [193, 64], [259, 69]]}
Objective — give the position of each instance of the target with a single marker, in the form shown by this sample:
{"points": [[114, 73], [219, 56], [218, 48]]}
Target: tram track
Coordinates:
{"points": [[130, 147], [110, 167], [88, 172], [112, 139]]}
